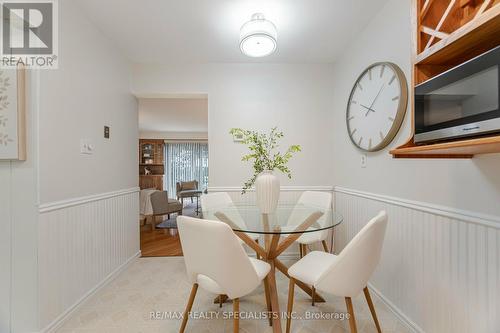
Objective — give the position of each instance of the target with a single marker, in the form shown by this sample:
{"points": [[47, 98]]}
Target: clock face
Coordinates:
{"points": [[377, 106]]}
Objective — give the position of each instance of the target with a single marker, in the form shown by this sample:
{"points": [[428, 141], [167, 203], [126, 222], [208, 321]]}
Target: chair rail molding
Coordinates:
{"points": [[283, 188], [56, 205], [450, 212]]}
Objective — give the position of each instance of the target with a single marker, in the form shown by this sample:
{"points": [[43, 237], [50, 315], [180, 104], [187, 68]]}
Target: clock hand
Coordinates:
{"points": [[366, 107], [369, 109], [381, 88]]}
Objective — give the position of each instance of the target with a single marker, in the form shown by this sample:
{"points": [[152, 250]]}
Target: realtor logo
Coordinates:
{"points": [[29, 33]]}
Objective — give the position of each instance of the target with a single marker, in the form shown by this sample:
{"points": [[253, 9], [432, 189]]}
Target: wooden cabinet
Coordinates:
{"points": [[447, 33], [151, 151], [154, 181], [151, 164]]}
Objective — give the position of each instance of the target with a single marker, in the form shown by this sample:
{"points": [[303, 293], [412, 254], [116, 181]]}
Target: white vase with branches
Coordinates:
{"points": [[266, 159]]}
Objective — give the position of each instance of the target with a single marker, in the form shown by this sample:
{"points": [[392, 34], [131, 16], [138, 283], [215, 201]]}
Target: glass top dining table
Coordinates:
{"points": [[287, 219], [280, 229]]}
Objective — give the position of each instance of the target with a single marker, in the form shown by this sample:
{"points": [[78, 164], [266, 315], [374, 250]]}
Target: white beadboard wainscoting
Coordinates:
{"points": [[83, 243], [440, 267]]}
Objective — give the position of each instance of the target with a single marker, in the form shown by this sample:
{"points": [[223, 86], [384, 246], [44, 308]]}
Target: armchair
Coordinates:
{"points": [[187, 190]]}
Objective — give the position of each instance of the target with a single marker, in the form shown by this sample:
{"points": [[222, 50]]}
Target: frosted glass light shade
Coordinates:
{"points": [[258, 37]]}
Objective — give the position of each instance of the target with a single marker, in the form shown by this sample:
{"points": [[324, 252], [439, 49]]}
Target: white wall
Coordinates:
{"points": [[175, 136], [5, 245], [296, 98], [18, 225], [173, 115], [90, 89], [465, 184], [440, 261], [88, 209]]}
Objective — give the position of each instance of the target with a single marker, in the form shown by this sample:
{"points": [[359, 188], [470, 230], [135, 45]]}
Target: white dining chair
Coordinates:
{"points": [[317, 200], [345, 275], [217, 262], [211, 202]]}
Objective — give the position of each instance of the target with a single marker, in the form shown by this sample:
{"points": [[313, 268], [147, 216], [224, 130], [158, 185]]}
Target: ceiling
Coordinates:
{"points": [[205, 31], [173, 115]]}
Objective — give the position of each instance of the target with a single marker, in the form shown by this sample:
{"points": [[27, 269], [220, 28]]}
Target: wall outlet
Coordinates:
{"points": [[86, 147], [364, 159]]}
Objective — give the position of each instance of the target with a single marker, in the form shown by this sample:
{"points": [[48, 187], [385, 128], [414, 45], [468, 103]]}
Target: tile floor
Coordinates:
{"points": [[159, 285]]}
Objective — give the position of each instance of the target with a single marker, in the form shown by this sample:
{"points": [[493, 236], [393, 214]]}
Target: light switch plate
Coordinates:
{"points": [[86, 147], [364, 159]]}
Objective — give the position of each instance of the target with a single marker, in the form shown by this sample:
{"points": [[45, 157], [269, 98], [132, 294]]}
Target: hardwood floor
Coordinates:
{"points": [[157, 243]]}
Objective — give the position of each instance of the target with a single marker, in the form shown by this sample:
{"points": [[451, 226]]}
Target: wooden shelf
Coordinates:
{"points": [[454, 149], [470, 40], [154, 151], [446, 34]]}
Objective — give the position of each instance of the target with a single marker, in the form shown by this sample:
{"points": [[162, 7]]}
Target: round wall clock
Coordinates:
{"points": [[377, 106]]}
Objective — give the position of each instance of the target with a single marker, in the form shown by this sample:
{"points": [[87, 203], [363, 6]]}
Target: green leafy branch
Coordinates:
{"points": [[263, 152]]}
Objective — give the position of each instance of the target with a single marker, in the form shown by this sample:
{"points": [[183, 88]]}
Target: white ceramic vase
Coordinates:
{"points": [[267, 190]]}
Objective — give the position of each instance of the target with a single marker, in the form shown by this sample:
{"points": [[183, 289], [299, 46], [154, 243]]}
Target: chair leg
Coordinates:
{"points": [[290, 305], [313, 294], [372, 309], [188, 307], [153, 223], [236, 313], [352, 320], [304, 251], [325, 246], [257, 253], [300, 251], [333, 241]]}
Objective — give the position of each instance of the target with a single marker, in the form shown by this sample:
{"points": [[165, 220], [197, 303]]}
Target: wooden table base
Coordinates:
{"points": [[273, 248]]}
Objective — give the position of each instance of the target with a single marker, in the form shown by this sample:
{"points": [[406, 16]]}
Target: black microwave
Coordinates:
{"points": [[461, 102]]}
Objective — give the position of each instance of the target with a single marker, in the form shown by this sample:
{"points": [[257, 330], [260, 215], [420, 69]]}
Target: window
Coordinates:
{"points": [[186, 161]]}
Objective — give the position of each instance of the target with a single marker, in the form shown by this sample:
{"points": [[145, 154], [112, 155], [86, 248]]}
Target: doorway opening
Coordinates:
{"points": [[173, 167]]}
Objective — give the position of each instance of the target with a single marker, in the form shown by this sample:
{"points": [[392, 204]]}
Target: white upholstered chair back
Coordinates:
{"points": [[212, 202], [211, 249], [354, 266], [308, 201]]}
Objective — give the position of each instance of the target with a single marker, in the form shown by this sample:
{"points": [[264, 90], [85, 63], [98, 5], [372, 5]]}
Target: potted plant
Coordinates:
{"points": [[266, 159]]}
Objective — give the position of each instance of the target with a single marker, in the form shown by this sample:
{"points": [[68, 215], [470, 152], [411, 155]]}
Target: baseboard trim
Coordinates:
{"points": [[454, 213], [394, 309], [283, 188], [59, 321], [56, 205]]}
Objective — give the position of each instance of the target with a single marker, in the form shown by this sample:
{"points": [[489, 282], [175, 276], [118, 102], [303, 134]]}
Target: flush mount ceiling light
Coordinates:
{"points": [[258, 37]]}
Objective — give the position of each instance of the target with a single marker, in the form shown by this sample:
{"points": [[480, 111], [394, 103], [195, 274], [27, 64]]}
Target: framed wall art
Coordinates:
{"points": [[12, 114]]}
